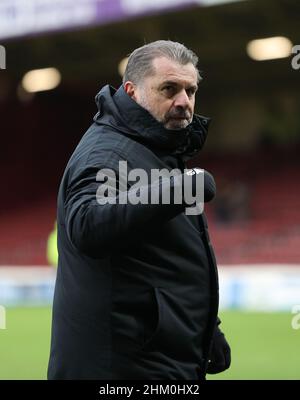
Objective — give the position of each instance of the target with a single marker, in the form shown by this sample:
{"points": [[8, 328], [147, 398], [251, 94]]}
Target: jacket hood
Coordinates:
{"points": [[118, 110]]}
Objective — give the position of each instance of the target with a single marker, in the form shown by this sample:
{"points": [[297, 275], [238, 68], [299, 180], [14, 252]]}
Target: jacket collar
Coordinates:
{"points": [[140, 123]]}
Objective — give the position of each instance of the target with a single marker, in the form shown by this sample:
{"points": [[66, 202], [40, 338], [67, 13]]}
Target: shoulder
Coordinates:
{"points": [[102, 145]]}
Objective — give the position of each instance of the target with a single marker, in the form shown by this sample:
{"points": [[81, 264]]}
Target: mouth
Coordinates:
{"points": [[179, 118]]}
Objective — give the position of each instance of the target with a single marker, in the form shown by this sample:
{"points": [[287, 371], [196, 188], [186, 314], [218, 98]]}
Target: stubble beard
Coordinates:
{"points": [[167, 121]]}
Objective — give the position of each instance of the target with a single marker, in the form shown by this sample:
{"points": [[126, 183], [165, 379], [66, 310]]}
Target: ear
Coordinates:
{"points": [[130, 89]]}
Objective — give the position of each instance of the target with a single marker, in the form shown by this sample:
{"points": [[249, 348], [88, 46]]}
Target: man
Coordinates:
{"points": [[136, 294]]}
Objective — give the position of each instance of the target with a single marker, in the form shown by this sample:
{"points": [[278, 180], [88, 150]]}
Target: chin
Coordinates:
{"points": [[177, 125]]}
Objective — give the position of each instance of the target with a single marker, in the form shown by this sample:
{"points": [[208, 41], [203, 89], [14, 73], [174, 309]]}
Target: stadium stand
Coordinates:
{"points": [[270, 230], [263, 227]]}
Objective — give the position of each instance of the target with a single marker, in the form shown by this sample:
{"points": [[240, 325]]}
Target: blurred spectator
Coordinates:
{"points": [[232, 202], [52, 253]]}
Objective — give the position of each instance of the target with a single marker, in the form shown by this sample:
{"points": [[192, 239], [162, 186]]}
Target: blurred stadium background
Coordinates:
{"points": [[251, 92]]}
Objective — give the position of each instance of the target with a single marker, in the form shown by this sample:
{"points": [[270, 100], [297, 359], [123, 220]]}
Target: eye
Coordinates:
{"points": [[191, 91], [168, 89]]}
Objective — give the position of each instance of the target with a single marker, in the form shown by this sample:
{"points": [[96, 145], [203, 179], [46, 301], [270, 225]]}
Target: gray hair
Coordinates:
{"points": [[139, 63]]}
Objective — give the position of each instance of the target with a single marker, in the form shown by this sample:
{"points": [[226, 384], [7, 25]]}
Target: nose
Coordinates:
{"points": [[182, 99]]}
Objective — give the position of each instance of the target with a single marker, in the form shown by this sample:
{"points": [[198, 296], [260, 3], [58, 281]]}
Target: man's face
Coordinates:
{"points": [[168, 94]]}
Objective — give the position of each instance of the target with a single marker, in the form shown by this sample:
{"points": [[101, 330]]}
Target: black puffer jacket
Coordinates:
{"points": [[136, 293]]}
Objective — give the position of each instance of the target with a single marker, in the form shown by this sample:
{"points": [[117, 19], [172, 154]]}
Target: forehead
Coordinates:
{"points": [[169, 70]]}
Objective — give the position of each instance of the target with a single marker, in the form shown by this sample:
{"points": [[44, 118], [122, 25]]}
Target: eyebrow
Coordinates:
{"points": [[176, 84]]}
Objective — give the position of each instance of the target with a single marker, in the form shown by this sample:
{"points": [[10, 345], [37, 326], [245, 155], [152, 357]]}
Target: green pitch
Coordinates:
{"points": [[264, 345]]}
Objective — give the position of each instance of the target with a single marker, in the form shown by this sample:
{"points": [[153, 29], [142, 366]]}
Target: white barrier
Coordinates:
{"points": [[26, 286], [258, 287]]}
